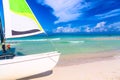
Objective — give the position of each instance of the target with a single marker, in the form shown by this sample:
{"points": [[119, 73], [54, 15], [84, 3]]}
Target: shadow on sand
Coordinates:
{"points": [[47, 73]]}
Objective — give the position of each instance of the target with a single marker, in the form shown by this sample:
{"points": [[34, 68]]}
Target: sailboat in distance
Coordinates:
{"points": [[20, 21]]}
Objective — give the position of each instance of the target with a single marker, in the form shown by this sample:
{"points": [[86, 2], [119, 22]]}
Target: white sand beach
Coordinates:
{"points": [[94, 67], [99, 70]]}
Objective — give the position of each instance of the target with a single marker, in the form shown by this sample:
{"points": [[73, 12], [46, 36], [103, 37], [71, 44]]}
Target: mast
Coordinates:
{"points": [[1, 32], [2, 38]]}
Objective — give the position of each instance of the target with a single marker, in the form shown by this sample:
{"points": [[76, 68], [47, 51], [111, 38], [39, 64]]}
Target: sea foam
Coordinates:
{"points": [[76, 42]]}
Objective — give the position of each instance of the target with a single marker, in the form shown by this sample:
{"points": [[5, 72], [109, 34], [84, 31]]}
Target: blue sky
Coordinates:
{"points": [[76, 16]]}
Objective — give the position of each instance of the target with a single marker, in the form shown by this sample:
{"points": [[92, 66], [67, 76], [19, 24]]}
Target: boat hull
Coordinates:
{"points": [[24, 66]]}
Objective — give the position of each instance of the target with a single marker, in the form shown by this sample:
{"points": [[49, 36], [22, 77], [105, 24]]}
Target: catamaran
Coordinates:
{"points": [[20, 21]]}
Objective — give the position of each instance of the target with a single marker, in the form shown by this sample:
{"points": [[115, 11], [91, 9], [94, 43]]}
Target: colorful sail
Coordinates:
{"points": [[19, 19]]}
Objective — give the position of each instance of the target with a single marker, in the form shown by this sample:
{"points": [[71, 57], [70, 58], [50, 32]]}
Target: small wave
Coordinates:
{"points": [[33, 40], [15, 41], [76, 41], [12, 43], [55, 39]]}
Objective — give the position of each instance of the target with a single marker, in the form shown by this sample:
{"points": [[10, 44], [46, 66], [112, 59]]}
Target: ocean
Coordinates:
{"points": [[65, 44]]}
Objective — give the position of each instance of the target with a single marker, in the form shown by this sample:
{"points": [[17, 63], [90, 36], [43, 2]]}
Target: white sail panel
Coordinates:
{"points": [[19, 23]]}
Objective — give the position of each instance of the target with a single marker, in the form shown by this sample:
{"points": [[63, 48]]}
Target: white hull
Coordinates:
{"points": [[24, 66]]}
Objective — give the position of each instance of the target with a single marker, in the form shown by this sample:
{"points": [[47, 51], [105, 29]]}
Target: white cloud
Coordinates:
{"points": [[112, 13], [114, 26], [87, 28], [66, 10], [103, 27], [100, 24], [99, 27], [67, 29]]}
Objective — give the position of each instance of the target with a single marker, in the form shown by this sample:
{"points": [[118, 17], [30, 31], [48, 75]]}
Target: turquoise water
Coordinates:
{"points": [[64, 44], [78, 45], [82, 45]]}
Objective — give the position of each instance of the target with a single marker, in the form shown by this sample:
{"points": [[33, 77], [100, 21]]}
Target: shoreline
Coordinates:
{"points": [[76, 59]]}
